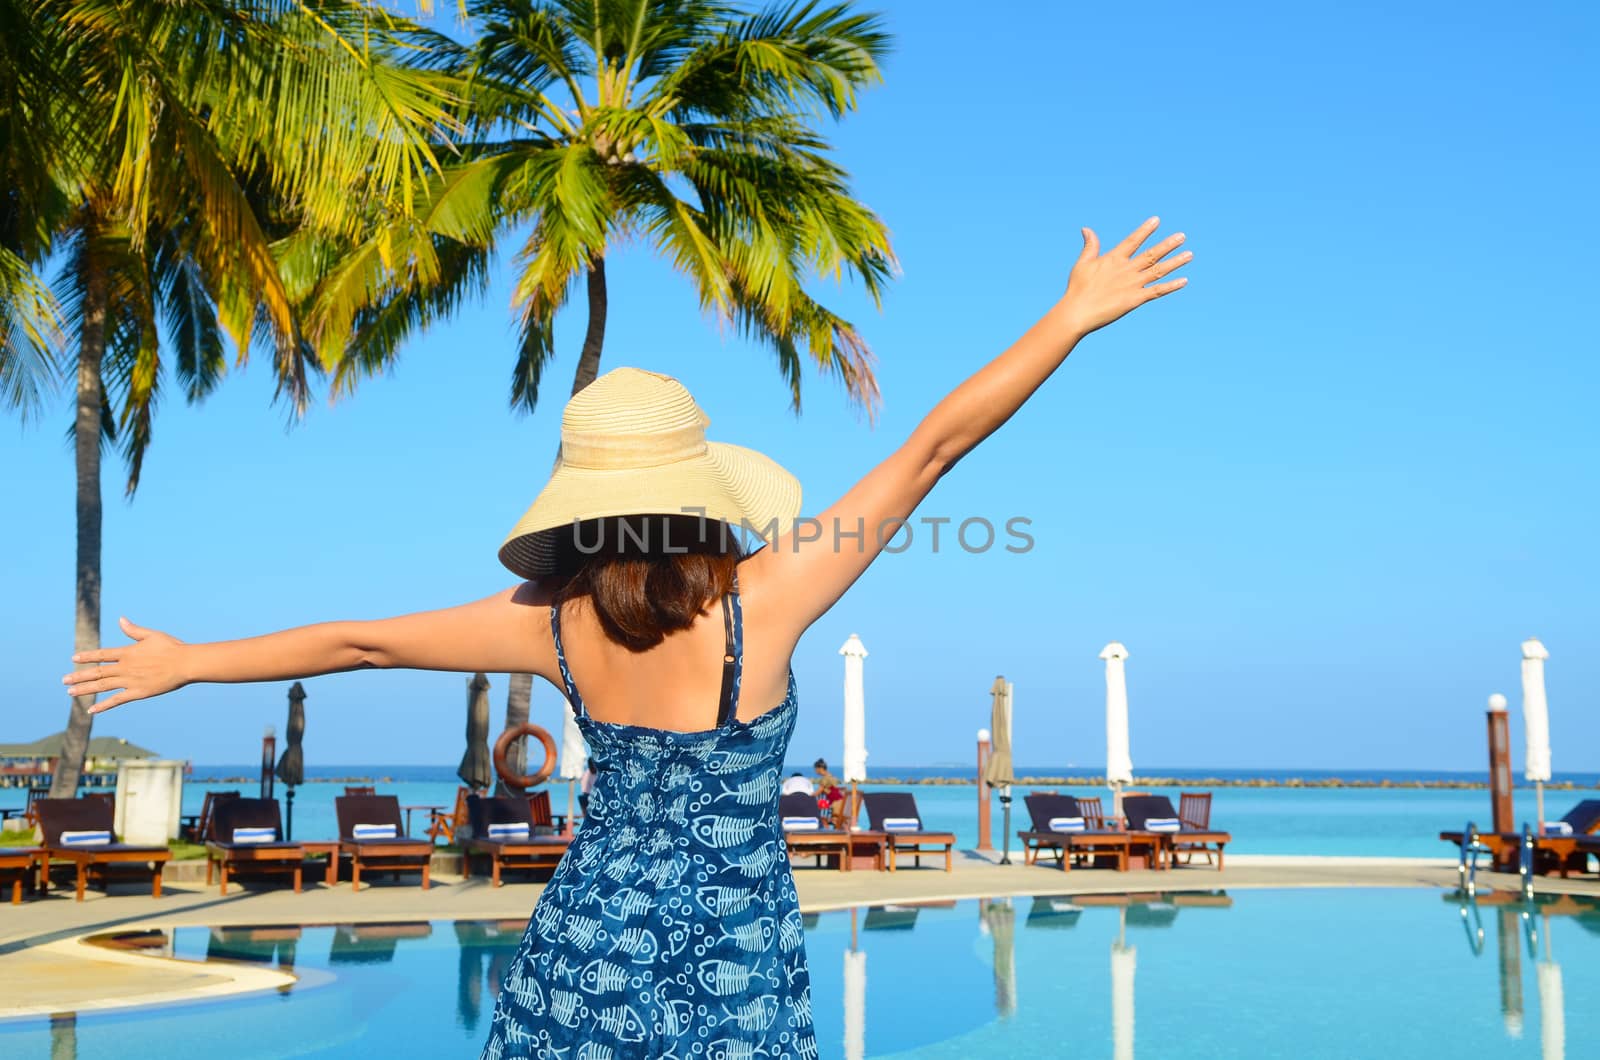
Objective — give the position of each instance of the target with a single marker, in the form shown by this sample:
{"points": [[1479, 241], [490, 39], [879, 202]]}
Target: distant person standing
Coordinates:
{"points": [[797, 784]]}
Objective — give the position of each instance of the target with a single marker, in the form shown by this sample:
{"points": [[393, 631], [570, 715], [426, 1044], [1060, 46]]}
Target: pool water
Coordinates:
{"points": [[1306, 973]]}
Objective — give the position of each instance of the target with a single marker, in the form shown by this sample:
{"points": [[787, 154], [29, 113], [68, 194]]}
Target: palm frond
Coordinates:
{"points": [[30, 334]]}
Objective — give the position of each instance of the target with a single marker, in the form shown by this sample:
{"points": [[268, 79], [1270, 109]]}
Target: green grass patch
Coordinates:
{"points": [[181, 849]]}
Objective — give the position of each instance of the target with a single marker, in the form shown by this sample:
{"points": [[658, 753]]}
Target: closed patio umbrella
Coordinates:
{"points": [[855, 1004], [1000, 920], [475, 770], [1119, 760], [1536, 721], [1552, 1005], [855, 718], [997, 770], [1124, 960], [574, 760], [292, 764]]}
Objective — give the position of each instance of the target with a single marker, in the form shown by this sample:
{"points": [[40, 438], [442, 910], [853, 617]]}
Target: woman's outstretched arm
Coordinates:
{"points": [[810, 568], [504, 633]]}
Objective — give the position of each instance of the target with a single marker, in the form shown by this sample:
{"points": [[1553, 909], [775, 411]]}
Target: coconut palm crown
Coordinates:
{"points": [[686, 124]]}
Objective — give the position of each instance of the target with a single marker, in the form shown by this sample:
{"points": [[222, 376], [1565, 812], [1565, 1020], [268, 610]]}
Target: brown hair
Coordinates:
{"points": [[646, 575]]}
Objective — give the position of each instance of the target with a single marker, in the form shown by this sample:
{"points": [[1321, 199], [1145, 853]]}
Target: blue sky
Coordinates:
{"points": [[1321, 495]]}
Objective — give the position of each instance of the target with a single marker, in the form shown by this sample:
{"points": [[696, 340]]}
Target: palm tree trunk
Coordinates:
{"points": [[595, 337], [519, 698], [519, 693], [86, 446]]}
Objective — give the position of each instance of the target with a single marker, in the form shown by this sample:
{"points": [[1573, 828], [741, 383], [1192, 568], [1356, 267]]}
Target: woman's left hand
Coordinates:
{"points": [[1105, 287], [150, 666]]}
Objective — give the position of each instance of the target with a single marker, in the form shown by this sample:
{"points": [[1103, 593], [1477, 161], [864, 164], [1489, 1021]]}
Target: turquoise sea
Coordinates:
{"points": [[1369, 821]]}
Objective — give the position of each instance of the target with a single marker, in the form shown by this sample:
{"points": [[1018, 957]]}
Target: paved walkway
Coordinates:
{"points": [[47, 969]]}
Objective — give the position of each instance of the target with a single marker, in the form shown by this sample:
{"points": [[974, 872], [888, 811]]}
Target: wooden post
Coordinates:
{"points": [[984, 840], [1502, 815], [1508, 924]]}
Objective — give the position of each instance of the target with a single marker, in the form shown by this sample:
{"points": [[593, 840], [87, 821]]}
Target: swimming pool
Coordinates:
{"points": [[1307, 973]]}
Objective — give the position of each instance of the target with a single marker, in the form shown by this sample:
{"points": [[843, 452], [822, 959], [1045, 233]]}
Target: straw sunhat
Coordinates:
{"points": [[634, 443]]}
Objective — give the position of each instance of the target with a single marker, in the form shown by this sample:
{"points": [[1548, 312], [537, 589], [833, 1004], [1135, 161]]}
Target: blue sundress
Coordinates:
{"points": [[671, 927]]}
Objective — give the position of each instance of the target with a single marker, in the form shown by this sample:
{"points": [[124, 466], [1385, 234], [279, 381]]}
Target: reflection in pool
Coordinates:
{"points": [[1276, 973]]}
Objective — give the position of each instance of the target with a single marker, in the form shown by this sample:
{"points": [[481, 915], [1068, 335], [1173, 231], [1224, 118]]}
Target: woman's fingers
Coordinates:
{"points": [[94, 688], [1091, 246], [97, 673], [99, 655], [134, 632], [1136, 238], [1148, 258], [1163, 268], [1156, 290], [113, 701]]}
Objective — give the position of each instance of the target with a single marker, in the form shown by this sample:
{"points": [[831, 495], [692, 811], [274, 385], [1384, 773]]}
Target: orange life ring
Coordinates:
{"points": [[503, 745]]}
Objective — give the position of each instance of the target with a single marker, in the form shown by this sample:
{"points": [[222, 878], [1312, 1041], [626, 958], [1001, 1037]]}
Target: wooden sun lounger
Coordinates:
{"points": [[884, 805], [1552, 853], [826, 842], [537, 851], [841, 843], [227, 856], [1193, 836], [1095, 843], [196, 827], [19, 865], [91, 814], [397, 855]]}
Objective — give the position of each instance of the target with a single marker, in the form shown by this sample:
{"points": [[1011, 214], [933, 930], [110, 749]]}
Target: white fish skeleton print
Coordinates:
{"points": [[671, 928]]}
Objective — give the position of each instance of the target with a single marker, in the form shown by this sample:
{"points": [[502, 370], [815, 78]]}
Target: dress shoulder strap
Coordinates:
{"points": [[732, 654], [561, 661]]}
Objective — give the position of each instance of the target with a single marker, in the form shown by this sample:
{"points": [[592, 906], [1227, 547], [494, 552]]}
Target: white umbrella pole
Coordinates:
{"points": [[1123, 963], [855, 720], [1119, 759], [1552, 1005], [1536, 719]]}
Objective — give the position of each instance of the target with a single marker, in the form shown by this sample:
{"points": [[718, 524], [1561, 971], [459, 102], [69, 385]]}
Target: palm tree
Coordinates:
{"points": [[686, 124], [193, 136]]}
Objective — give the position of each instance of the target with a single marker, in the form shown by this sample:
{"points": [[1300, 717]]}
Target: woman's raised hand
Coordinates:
{"points": [[147, 667], [1106, 287]]}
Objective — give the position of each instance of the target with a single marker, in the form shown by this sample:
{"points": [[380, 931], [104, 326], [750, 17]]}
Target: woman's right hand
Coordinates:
{"points": [[1105, 287], [150, 666]]}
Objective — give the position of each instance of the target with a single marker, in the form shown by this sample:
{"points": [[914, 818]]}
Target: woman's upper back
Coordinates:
{"points": [[676, 684]]}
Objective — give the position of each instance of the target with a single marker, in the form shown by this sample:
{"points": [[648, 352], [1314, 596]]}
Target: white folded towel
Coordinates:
{"points": [[98, 838], [1162, 824], [801, 824], [509, 830], [1557, 828], [902, 824], [374, 831], [255, 835], [1068, 824]]}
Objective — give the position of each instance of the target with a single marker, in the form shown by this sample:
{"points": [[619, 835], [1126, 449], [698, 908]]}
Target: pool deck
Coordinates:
{"points": [[47, 969]]}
